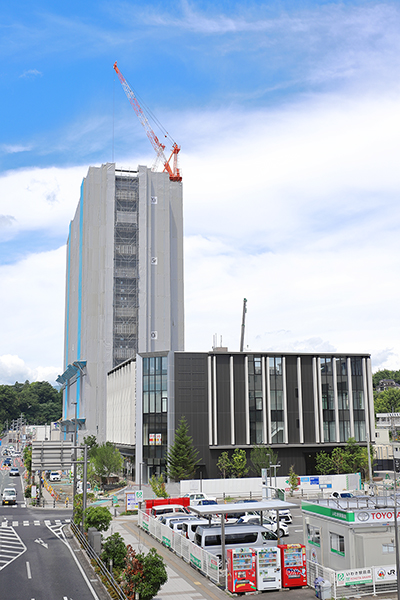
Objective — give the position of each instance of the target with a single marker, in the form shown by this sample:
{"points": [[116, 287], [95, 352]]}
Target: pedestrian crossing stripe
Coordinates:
{"points": [[36, 523]]}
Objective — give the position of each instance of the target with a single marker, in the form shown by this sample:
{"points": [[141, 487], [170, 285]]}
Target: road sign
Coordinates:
{"points": [[139, 495], [51, 455]]}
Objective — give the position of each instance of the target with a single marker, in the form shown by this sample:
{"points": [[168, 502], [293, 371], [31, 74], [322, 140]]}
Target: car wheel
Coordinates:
{"points": [[281, 533]]}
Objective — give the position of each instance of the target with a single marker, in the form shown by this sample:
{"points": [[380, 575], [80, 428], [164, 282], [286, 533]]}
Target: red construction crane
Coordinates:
{"points": [[170, 165]]}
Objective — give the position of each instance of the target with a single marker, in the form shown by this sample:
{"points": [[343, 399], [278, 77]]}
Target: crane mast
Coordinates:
{"points": [[243, 324], [170, 165]]}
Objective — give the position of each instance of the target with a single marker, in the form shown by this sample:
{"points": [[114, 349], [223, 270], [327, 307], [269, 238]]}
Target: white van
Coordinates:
{"points": [[236, 536], [189, 528]]}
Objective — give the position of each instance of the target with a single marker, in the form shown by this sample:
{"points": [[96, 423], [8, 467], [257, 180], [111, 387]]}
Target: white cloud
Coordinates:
{"points": [[32, 315], [40, 199], [13, 369], [31, 73]]}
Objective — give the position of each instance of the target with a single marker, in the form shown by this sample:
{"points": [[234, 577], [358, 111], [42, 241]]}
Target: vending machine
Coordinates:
{"points": [[241, 570], [268, 568], [293, 565]]}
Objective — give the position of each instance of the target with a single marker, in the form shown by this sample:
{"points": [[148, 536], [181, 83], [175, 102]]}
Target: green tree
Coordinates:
{"points": [[262, 457], [224, 464], [106, 460], [293, 480], [387, 401], [114, 549], [98, 517], [182, 458], [323, 463], [158, 486], [27, 458], [339, 460], [143, 575], [91, 443], [239, 463]]}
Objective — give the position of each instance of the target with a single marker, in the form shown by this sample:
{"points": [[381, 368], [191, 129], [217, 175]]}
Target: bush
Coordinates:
{"points": [[143, 574], [28, 491], [114, 549], [98, 517]]}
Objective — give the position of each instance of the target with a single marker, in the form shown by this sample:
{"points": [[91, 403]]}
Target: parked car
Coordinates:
{"points": [[284, 515], [14, 472], [197, 497], [54, 476], [9, 496], [189, 527], [341, 495], [164, 509], [267, 523]]}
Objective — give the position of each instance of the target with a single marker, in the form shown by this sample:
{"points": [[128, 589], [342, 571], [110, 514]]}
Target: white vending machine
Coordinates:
{"points": [[268, 568]]}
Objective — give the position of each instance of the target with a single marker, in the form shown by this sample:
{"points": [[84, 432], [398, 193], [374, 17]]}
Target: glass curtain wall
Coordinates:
{"points": [[343, 398], [255, 400], [276, 397], [358, 399], [155, 406], [328, 399]]}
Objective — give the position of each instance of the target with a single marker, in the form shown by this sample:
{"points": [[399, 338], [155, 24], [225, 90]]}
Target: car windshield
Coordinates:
{"points": [[10, 492]]}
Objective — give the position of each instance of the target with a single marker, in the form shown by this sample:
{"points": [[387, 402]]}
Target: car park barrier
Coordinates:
{"points": [[200, 559]]}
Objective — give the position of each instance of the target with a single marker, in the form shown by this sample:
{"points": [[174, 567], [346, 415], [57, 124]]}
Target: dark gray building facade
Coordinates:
{"points": [[297, 403]]}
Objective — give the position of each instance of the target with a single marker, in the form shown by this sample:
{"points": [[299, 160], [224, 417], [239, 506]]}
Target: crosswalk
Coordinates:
{"points": [[11, 546], [6, 523]]}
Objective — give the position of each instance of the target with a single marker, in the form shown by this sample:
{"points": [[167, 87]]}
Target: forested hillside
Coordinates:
{"points": [[39, 402]]}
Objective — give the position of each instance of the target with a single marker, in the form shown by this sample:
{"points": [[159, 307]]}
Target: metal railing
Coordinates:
{"points": [[105, 573]]}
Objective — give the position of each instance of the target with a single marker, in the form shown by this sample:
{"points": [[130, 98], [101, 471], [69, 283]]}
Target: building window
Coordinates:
{"points": [[276, 399], [388, 548], [358, 399], [155, 406], [314, 535], [328, 399], [337, 543], [255, 400]]}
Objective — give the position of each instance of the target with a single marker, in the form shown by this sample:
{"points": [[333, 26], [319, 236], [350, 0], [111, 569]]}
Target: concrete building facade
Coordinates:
{"points": [[124, 284]]}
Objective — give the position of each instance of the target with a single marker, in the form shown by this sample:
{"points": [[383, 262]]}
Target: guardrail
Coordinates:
{"points": [[203, 561], [105, 574]]}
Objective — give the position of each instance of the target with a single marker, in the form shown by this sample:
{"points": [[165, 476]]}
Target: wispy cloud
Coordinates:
{"points": [[14, 148], [31, 73]]}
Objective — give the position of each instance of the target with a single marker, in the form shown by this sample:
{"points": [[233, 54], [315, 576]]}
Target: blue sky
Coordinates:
{"points": [[288, 118]]}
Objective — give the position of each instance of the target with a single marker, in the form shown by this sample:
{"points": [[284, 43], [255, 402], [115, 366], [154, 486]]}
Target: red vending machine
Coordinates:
{"points": [[241, 570], [293, 565]]}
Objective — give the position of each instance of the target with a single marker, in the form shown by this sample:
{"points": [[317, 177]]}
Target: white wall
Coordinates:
{"points": [[309, 486]]}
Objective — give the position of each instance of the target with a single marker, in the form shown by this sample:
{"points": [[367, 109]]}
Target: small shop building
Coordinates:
{"points": [[350, 533]]}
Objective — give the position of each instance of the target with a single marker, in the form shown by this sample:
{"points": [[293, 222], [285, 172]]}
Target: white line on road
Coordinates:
{"points": [[298, 530], [28, 570]]}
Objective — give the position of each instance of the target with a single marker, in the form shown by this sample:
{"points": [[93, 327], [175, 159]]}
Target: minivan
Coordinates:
{"points": [[189, 528], [236, 536]]}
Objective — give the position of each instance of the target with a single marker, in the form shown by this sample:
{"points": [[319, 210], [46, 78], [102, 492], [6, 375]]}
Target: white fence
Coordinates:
{"points": [[309, 486], [367, 581], [205, 562]]}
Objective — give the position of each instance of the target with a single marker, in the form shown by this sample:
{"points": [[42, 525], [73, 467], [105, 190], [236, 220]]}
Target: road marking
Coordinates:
{"points": [[25, 523], [41, 542], [298, 530], [28, 570]]}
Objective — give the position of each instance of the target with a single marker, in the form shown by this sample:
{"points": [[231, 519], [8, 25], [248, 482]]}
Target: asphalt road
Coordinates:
{"points": [[35, 560]]}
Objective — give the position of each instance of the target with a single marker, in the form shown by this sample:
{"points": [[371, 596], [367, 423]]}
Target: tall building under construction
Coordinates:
{"points": [[124, 284]]}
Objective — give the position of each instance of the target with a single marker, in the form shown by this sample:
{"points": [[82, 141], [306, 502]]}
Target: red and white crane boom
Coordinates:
{"points": [[170, 165]]}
